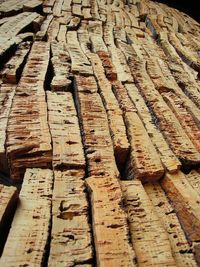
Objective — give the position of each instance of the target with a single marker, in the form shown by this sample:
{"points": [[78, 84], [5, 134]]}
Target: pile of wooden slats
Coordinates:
{"points": [[99, 134]]}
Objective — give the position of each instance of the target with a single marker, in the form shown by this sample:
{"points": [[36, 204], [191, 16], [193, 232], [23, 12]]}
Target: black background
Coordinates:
{"points": [[190, 7]]}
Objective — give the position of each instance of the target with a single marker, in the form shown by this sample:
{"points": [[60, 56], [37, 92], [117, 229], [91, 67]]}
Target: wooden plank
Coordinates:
{"points": [[109, 223], [61, 67], [28, 139], [42, 34], [187, 121], [26, 243], [71, 233], [65, 132], [17, 24], [77, 10], [8, 203], [185, 201], [169, 160], [80, 63], [181, 247], [114, 113], [95, 131], [13, 68], [7, 93], [144, 162], [32, 5], [168, 123], [194, 179], [149, 238], [109, 67]]}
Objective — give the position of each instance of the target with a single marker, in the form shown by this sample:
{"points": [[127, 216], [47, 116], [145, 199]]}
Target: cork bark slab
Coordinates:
{"points": [[71, 234], [109, 223], [185, 201], [7, 92], [28, 142], [181, 248], [30, 228], [149, 238], [65, 132]]}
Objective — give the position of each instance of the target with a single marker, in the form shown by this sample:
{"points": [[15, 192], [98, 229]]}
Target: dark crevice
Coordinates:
{"points": [[6, 56], [6, 221], [49, 75]]}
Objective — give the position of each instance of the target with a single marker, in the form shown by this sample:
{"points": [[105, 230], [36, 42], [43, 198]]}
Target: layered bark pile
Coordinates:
{"points": [[99, 134]]}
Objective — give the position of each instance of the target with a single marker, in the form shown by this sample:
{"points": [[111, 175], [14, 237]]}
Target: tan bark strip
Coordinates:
{"points": [[187, 56], [30, 227], [95, 130], [71, 236], [168, 123], [11, 6], [28, 138], [144, 162], [65, 132], [114, 113], [149, 238], [42, 33], [7, 93], [32, 5], [12, 67], [194, 179], [80, 63], [8, 203], [169, 160], [186, 203], [109, 67], [109, 223], [181, 248], [180, 71], [61, 67], [185, 118], [17, 23]]}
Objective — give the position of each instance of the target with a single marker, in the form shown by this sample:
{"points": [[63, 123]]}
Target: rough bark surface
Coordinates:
{"points": [[99, 134]]}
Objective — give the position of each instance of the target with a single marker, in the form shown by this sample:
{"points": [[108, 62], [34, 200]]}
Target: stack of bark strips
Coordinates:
{"points": [[100, 123], [29, 142], [29, 231]]}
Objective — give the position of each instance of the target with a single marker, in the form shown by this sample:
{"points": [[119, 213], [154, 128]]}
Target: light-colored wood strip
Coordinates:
{"points": [[181, 248], [144, 162], [71, 233], [109, 223], [28, 138], [80, 63], [194, 179], [114, 113], [186, 203], [169, 160], [7, 93], [61, 64], [149, 238], [65, 132], [95, 130], [26, 243], [13, 68]]}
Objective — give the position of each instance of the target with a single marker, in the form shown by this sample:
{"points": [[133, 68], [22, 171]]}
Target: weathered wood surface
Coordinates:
{"points": [[102, 90], [28, 142], [109, 223], [95, 130], [8, 202], [71, 242], [7, 92], [186, 203], [181, 247], [149, 238], [13, 68], [65, 132], [30, 228]]}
